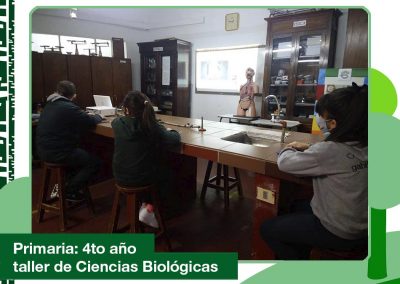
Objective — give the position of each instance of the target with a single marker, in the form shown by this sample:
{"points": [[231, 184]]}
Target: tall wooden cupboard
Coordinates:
{"points": [[165, 74], [298, 45], [92, 76]]}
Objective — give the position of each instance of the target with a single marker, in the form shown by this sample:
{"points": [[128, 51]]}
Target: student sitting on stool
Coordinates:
{"points": [[58, 132], [338, 216], [139, 141]]}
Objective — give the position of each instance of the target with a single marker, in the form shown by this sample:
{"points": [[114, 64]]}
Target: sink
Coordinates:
{"points": [[245, 138]]}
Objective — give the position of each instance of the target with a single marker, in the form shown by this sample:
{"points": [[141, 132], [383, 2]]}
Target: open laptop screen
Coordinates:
{"points": [[102, 100]]}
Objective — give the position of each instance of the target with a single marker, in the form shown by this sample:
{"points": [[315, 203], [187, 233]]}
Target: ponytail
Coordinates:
{"points": [[140, 107], [148, 118]]}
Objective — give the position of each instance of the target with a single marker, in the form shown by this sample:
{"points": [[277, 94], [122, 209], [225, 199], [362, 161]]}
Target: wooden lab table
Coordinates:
{"points": [[208, 145]]}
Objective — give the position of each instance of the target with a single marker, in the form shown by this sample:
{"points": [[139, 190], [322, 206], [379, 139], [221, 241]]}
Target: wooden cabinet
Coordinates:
{"points": [[356, 51], [165, 75], [91, 75], [79, 72], [118, 47], [102, 76], [122, 79], [297, 47], [55, 69], [37, 80]]}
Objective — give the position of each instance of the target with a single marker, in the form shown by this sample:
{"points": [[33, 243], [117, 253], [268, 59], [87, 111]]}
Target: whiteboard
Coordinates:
{"points": [[222, 70]]}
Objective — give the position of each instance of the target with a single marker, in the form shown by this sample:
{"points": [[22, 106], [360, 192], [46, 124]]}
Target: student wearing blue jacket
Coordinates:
{"points": [[337, 217]]}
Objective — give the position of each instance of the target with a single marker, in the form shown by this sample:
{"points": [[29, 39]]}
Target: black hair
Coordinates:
{"points": [[140, 107], [66, 89], [349, 107]]}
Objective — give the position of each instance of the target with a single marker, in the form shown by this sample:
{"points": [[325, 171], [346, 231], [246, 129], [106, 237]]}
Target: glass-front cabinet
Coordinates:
{"points": [[308, 64], [165, 78], [150, 67], [298, 45], [279, 73]]}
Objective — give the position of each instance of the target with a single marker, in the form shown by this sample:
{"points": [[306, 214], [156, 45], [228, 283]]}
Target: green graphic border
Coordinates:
{"points": [[11, 91], [383, 102], [7, 151]]}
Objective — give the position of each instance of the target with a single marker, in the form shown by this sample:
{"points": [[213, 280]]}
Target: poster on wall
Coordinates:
{"points": [[330, 79]]}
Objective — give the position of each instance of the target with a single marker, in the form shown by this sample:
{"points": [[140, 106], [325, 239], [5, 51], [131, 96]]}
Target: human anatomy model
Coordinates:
{"points": [[246, 106]]}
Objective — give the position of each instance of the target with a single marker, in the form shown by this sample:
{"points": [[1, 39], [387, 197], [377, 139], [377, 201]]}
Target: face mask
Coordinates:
{"points": [[322, 125]]}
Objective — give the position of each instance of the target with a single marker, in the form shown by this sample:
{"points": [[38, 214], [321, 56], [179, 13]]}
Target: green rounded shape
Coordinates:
{"points": [[383, 161], [330, 272], [383, 96], [15, 207]]}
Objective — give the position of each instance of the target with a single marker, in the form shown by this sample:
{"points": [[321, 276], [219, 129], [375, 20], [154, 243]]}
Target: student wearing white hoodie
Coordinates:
{"points": [[337, 217]]}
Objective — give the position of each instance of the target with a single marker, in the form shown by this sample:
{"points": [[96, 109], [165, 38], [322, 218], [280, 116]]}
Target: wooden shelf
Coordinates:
{"points": [[307, 85], [304, 104], [283, 58], [165, 108], [281, 85], [274, 103], [309, 57]]}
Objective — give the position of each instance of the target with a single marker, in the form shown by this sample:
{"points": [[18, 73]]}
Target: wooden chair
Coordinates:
{"points": [[133, 204], [226, 187], [57, 203]]}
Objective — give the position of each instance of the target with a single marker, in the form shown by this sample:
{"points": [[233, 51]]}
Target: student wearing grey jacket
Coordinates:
{"points": [[337, 216]]}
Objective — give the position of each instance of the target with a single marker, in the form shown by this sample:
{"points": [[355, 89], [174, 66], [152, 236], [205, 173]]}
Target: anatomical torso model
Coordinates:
{"points": [[246, 106]]}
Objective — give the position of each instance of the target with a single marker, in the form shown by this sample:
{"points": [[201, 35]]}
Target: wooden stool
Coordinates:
{"points": [[208, 182], [57, 171], [133, 205], [329, 254]]}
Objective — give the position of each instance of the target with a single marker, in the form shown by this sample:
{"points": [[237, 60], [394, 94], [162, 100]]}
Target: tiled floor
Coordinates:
{"points": [[199, 226]]}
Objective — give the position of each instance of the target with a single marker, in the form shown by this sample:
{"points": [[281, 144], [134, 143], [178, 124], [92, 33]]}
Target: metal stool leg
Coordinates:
{"points": [[218, 182], [206, 179], [239, 182], [226, 186]]}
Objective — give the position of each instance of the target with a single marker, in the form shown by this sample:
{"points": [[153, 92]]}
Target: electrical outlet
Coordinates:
{"points": [[266, 195]]}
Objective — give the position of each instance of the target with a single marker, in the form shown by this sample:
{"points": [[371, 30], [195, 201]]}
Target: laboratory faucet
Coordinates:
{"points": [[273, 118], [283, 134]]}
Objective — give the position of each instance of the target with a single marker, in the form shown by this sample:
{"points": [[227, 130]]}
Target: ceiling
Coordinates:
{"points": [[137, 18]]}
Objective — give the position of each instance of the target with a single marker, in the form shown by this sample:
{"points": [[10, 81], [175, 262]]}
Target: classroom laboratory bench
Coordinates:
{"points": [[269, 180]]}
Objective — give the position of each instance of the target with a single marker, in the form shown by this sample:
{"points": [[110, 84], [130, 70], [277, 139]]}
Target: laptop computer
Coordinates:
{"points": [[102, 101]]}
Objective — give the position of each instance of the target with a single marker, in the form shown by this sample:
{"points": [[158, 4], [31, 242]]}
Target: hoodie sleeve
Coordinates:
{"points": [[301, 163], [84, 120], [169, 138]]}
